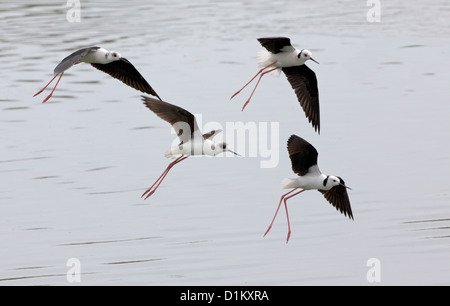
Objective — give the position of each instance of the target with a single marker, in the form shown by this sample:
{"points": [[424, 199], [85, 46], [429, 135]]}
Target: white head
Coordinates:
{"points": [[223, 147], [112, 56], [305, 55], [331, 181]]}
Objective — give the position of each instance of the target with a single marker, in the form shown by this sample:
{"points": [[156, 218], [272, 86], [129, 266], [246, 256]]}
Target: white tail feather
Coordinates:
{"points": [[289, 183], [264, 59], [168, 154], [172, 153]]}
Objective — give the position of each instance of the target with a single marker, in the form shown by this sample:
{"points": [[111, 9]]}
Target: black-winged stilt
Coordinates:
{"points": [[304, 163], [282, 56], [192, 142], [110, 62]]}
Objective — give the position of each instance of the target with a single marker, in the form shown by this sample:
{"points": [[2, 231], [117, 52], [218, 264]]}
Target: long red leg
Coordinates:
{"points": [[251, 80], [156, 182], [163, 175], [262, 74], [279, 204], [287, 214], [45, 100], [159, 183], [45, 86]]}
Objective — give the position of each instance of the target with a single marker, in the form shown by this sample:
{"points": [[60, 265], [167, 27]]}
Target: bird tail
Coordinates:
{"points": [[289, 183], [168, 154], [264, 59], [171, 153]]}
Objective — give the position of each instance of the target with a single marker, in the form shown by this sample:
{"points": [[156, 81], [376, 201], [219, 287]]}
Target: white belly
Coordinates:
{"points": [[283, 59], [197, 148]]}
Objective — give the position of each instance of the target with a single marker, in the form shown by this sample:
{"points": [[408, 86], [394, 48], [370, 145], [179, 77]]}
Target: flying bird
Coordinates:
{"points": [[304, 163], [192, 141], [282, 56], [110, 62]]}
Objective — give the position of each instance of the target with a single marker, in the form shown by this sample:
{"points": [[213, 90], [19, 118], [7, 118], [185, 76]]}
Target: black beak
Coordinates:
{"points": [[234, 153], [345, 186]]}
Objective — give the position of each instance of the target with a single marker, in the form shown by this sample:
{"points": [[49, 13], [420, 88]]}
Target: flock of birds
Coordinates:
{"points": [[279, 56]]}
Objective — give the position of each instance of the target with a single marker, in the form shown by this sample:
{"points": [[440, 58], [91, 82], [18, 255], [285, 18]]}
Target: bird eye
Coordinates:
{"points": [[306, 55]]}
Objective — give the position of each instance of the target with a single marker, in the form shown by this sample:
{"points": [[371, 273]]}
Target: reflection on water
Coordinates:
{"points": [[73, 169]]}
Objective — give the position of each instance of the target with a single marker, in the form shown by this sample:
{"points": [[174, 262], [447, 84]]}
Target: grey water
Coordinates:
{"points": [[73, 169]]}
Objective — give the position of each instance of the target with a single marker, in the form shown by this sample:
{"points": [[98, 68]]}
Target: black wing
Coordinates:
{"points": [[211, 134], [124, 71], [304, 82], [72, 59], [302, 154], [174, 115], [276, 44], [338, 197]]}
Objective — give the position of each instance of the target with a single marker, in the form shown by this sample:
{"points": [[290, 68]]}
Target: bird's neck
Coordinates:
{"points": [[326, 182]]}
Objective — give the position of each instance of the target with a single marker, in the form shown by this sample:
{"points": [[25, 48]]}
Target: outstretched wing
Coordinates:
{"points": [[302, 154], [124, 71], [338, 197], [72, 59], [210, 135], [178, 117], [276, 44], [304, 82]]}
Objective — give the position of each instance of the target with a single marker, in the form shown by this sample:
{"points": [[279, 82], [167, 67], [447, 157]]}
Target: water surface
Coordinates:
{"points": [[73, 169]]}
